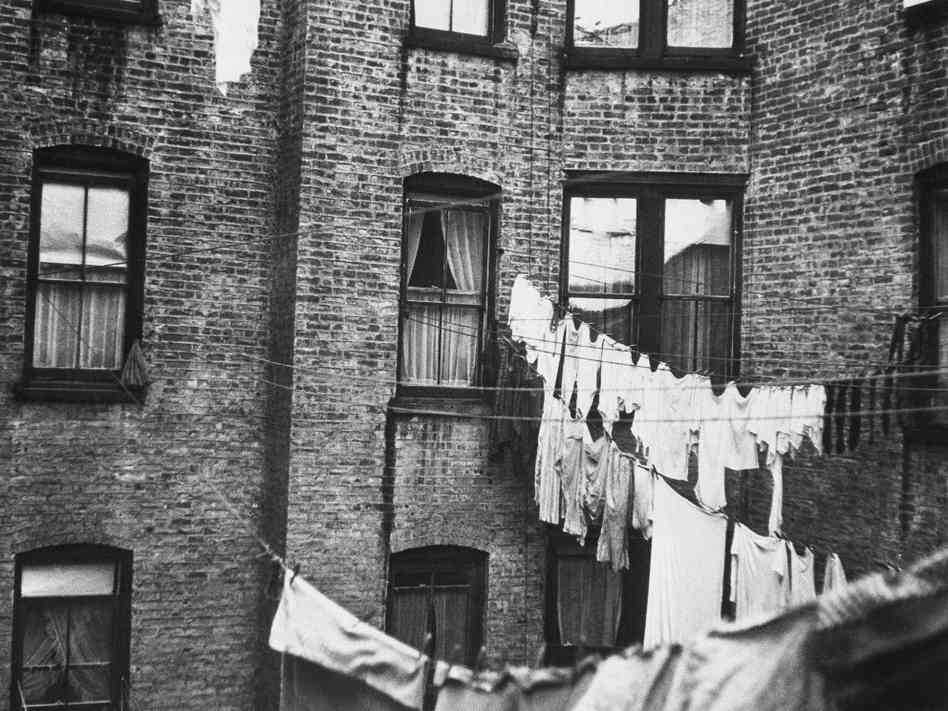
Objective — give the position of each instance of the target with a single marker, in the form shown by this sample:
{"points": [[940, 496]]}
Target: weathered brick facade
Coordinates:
{"points": [[272, 279]]}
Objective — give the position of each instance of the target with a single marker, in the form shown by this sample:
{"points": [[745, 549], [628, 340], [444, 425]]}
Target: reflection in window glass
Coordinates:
{"points": [[464, 16], [701, 23], [602, 245], [606, 23], [614, 317], [697, 247]]}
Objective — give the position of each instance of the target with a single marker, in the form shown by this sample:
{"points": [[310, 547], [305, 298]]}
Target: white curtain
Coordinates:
{"points": [[78, 326], [420, 343], [470, 17], [464, 234], [416, 219]]}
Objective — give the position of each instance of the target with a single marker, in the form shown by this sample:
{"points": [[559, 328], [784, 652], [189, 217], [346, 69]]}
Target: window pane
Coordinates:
{"points": [[470, 17], [107, 233], [459, 345], [435, 14], [420, 343], [606, 23], [56, 325], [451, 622], [89, 684], [614, 317], [103, 328], [408, 619], [61, 220], [602, 245], [940, 244], [465, 234], [90, 632], [44, 634], [701, 23], [43, 685], [67, 580], [695, 334], [697, 247]]}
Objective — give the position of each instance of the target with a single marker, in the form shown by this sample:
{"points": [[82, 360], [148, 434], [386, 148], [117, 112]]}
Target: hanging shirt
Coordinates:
{"points": [[572, 479], [669, 437], [834, 577], [530, 314], [808, 408], [686, 573], [597, 463], [588, 358], [309, 625], [613, 543], [802, 576], [642, 499], [725, 442], [549, 453], [758, 573], [615, 369]]}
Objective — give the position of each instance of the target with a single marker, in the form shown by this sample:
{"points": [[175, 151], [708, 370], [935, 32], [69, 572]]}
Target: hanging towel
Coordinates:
{"points": [[686, 572], [309, 625], [802, 576], [834, 577], [758, 574]]}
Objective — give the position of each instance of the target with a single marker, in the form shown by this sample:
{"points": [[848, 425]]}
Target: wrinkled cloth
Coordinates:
{"points": [[234, 24], [726, 441], [597, 463], [834, 577], [310, 687], [632, 681], [758, 574], [309, 625], [671, 420], [550, 441], [686, 572], [642, 500], [775, 520], [615, 369], [529, 315], [518, 408], [554, 689], [760, 667], [802, 586], [572, 480], [588, 359], [613, 546], [460, 688]]}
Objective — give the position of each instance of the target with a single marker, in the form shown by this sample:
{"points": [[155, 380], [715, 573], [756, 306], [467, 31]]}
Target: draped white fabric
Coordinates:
{"points": [[442, 328], [413, 239], [78, 326]]}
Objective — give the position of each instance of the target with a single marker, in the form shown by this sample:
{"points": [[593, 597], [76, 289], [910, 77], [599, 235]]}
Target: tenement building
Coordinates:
{"points": [[279, 313]]}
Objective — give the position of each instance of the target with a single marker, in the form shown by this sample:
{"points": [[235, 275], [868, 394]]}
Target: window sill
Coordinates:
{"points": [[593, 58], [61, 390], [423, 38], [145, 17], [461, 402]]}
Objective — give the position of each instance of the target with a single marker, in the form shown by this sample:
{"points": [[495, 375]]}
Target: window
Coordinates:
{"points": [[85, 267], [659, 33], [588, 605], [71, 633], [473, 26], [438, 590], [446, 274], [130, 11], [933, 293], [652, 262]]}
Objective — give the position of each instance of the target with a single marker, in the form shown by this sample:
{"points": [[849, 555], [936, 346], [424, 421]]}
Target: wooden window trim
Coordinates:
{"points": [[462, 187], [144, 12], [490, 45], [653, 52], [87, 166], [79, 553], [651, 190]]}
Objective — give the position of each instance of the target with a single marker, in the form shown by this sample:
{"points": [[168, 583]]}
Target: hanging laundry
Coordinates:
{"points": [[529, 316], [309, 625], [573, 479], [775, 520], [756, 667], [597, 464], [834, 577], [615, 370], [674, 419], [802, 576], [550, 442], [758, 574], [726, 441], [855, 416], [460, 688], [588, 359], [632, 681], [642, 500], [686, 573], [613, 546], [234, 24], [556, 689], [518, 408], [310, 687]]}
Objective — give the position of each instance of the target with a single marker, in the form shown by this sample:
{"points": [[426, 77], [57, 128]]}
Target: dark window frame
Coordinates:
{"points": [[462, 187], [456, 560], [650, 191], [490, 45], [653, 51], [928, 426], [142, 12], [87, 166], [121, 597]]}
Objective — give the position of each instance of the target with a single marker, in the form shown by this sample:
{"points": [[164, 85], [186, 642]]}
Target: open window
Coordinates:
{"points": [[653, 261], [84, 279], [71, 628], [670, 34], [447, 274]]}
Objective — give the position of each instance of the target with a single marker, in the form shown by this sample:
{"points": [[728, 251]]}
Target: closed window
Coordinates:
{"points": [[654, 264], [438, 591], [473, 18], [656, 30], [71, 628], [127, 11], [449, 223], [85, 266]]}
